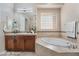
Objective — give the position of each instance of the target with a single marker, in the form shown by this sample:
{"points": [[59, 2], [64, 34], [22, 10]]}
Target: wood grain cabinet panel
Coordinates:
{"points": [[29, 43], [20, 43], [9, 43]]}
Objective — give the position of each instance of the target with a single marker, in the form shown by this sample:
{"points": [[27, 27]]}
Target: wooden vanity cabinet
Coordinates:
{"points": [[9, 43], [29, 43], [20, 43]]}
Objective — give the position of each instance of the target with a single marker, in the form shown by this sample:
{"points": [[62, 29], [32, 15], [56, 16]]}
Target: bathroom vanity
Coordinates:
{"points": [[20, 32], [20, 41]]}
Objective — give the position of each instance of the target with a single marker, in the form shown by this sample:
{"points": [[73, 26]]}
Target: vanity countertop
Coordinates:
{"points": [[20, 34]]}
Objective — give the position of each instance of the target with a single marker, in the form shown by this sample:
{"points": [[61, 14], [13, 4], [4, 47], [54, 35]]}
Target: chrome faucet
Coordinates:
{"points": [[74, 46]]}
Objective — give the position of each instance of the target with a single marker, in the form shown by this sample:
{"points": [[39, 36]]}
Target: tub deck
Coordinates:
{"points": [[56, 48]]}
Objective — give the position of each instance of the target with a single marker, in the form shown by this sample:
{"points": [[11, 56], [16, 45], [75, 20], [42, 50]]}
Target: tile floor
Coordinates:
{"points": [[18, 54]]}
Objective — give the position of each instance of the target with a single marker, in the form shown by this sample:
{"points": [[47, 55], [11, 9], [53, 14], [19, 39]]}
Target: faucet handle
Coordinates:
{"points": [[74, 46]]}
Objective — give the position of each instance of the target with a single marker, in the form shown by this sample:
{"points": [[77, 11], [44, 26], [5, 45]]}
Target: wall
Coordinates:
{"points": [[69, 12], [6, 11], [48, 34]]}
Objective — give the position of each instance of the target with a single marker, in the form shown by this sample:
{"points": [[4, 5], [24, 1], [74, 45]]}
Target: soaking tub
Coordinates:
{"points": [[56, 41], [58, 45]]}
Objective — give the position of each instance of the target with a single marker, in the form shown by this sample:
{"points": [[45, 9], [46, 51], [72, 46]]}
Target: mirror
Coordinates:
{"points": [[21, 22]]}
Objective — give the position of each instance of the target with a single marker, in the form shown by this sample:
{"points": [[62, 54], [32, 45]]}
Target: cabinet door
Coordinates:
{"points": [[29, 43], [19, 45], [9, 43]]}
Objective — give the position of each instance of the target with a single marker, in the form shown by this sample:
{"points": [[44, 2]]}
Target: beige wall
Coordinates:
{"points": [[69, 12], [6, 11], [48, 34]]}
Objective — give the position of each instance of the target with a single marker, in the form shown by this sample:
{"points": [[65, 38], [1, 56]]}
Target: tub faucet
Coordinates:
{"points": [[74, 46]]}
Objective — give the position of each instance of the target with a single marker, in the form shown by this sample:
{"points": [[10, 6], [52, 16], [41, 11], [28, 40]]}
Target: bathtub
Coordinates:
{"points": [[60, 42]]}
